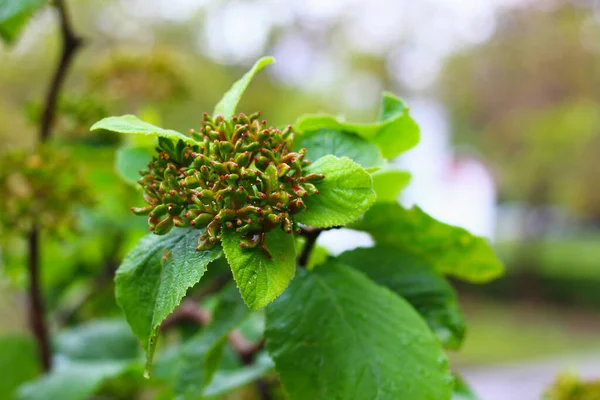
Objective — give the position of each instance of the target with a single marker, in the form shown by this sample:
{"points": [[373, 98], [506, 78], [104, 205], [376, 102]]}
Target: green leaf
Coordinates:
{"points": [[389, 183], [18, 362], [259, 277], [462, 391], [346, 193], [14, 15], [334, 334], [323, 142], [226, 381], [450, 249], [226, 107], [155, 276], [71, 381], [130, 160], [414, 279], [394, 132], [98, 340], [201, 355], [130, 124]]}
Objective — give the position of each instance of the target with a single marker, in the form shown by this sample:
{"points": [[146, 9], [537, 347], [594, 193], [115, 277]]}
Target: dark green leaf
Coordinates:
{"points": [[226, 107], [130, 160], [14, 15], [98, 340], [414, 279], [226, 381], [130, 124], [345, 194], [72, 381], [323, 142], [201, 355], [450, 249], [155, 276], [394, 132], [334, 334], [18, 363], [388, 184], [259, 277]]}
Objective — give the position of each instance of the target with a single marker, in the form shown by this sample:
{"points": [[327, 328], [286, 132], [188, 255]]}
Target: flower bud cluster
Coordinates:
{"points": [[42, 187], [242, 176]]}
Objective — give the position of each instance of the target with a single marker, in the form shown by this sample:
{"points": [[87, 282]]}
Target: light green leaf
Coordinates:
{"points": [[201, 355], [98, 340], [450, 249], [394, 132], [71, 381], [334, 334], [14, 15], [18, 362], [130, 160], [389, 183], [346, 193], [323, 142], [462, 391], [155, 276], [130, 124], [226, 107], [414, 279], [259, 277], [226, 381]]}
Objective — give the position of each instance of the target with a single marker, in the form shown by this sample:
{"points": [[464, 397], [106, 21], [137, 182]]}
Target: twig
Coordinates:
{"points": [[311, 235], [36, 306]]}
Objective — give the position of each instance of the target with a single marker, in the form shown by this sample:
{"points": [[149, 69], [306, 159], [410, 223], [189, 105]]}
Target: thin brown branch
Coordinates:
{"points": [[71, 43], [311, 235]]}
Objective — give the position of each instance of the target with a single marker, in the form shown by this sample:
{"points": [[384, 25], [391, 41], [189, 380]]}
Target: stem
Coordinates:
{"points": [[36, 306], [311, 235]]}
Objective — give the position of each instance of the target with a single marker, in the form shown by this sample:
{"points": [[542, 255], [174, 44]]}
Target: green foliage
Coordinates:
{"points": [[394, 132], [130, 124], [14, 15], [323, 142], [260, 277], [226, 107], [570, 387], [18, 363], [451, 250], [388, 183], [335, 335], [155, 276], [416, 280], [462, 391], [344, 195], [131, 160]]}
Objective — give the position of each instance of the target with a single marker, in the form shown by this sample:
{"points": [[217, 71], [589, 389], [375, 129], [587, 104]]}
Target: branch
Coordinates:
{"points": [[71, 43], [36, 306]]}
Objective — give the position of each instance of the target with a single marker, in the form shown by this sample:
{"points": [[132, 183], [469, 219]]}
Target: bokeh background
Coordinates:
{"points": [[507, 94]]}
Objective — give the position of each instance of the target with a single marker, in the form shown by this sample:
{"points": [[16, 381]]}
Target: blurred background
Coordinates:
{"points": [[507, 94]]}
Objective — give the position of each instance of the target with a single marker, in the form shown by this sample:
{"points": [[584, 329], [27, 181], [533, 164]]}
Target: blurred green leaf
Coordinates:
{"points": [[131, 160], [71, 381], [462, 391], [323, 142], [344, 195], [98, 340], [450, 249], [201, 355], [394, 132], [389, 183], [155, 276], [130, 124], [259, 277], [226, 381], [14, 15], [334, 334], [414, 279], [230, 100], [18, 363]]}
